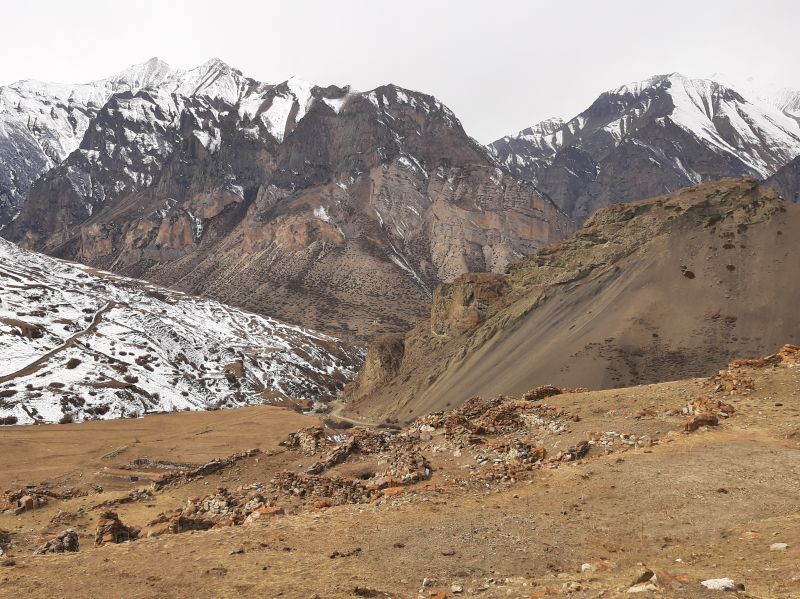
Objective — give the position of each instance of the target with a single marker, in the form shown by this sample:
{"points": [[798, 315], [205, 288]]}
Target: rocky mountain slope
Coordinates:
{"points": [[76, 343], [787, 181], [649, 291], [42, 123], [653, 137], [337, 208]]}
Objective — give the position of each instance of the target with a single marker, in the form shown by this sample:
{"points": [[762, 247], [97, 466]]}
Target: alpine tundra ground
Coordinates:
{"points": [[590, 494]]}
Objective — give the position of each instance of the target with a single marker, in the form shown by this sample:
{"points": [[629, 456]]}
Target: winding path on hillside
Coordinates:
{"points": [[42, 360]]}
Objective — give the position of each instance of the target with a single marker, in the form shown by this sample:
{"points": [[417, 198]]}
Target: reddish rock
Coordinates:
{"points": [[392, 491], [111, 530], [701, 420], [264, 513]]}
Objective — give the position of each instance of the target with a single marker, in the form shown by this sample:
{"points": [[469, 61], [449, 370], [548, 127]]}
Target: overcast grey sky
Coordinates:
{"points": [[500, 65]]}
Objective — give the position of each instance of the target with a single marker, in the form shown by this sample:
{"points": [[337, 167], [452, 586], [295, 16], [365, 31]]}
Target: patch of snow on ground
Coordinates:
{"points": [[84, 344]]}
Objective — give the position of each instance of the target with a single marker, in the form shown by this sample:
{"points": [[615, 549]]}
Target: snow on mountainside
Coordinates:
{"points": [[42, 123], [764, 139], [768, 93], [81, 344], [692, 129]]}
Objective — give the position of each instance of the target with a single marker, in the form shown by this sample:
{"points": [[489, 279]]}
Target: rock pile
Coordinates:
{"points": [[405, 466], [498, 415], [706, 411], [175, 524], [509, 458], [309, 440], [334, 490], [542, 392], [218, 510], [361, 441], [183, 476], [788, 354], [111, 530], [22, 500], [66, 542]]}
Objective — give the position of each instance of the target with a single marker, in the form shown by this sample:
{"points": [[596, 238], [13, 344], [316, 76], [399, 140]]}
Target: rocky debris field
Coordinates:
{"points": [[682, 489]]}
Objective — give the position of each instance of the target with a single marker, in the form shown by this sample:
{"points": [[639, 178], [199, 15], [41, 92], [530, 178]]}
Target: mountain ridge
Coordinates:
{"points": [[650, 137], [295, 192]]}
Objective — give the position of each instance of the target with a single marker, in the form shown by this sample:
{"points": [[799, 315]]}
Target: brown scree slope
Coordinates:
{"points": [[649, 291]]}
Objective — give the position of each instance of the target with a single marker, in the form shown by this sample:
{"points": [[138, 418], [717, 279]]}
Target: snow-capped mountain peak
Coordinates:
{"points": [[688, 129], [41, 123], [148, 74]]}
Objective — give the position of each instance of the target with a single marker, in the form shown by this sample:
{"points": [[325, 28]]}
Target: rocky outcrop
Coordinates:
{"points": [[645, 292], [383, 362], [111, 530], [468, 301], [66, 542]]}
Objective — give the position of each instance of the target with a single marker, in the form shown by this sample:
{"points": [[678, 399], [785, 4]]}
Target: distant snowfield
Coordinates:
{"points": [[76, 343]]}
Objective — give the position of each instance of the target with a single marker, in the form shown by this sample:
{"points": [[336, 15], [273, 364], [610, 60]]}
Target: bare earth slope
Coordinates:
{"points": [[648, 291], [654, 488]]}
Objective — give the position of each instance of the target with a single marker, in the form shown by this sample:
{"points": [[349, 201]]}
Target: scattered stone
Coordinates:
{"points": [[351, 553], [456, 588], [264, 513], [367, 592], [778, 547], [722, 584], [66, 542]]}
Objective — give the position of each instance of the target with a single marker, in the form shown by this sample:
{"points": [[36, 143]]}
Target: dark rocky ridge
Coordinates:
{"points": [[787, 181]]}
